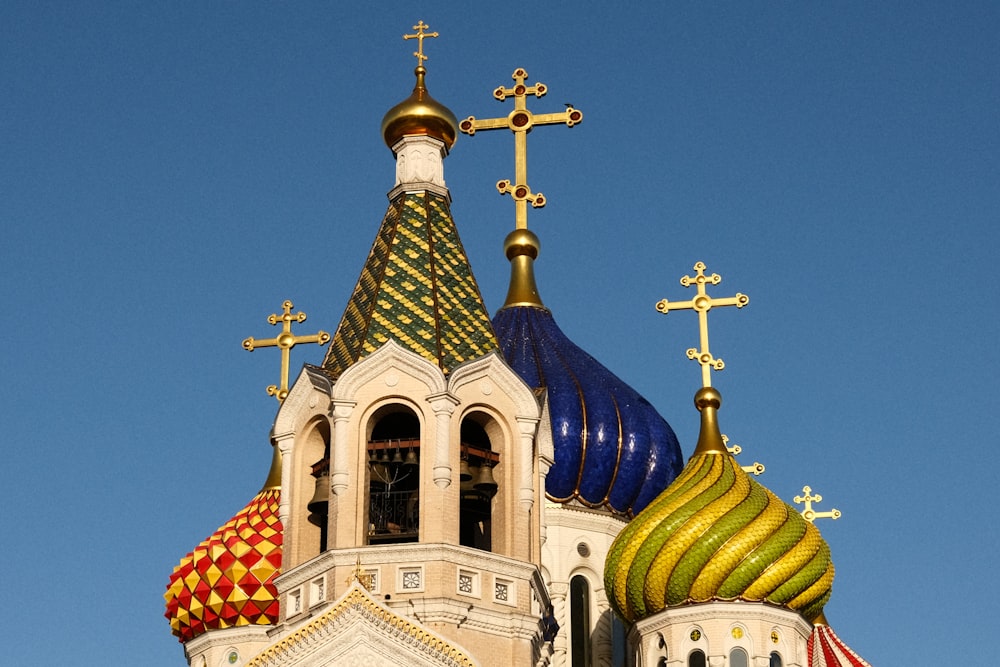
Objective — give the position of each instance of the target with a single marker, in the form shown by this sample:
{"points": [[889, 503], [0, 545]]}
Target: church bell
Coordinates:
{"points": [[485, 484], [321, 497]]}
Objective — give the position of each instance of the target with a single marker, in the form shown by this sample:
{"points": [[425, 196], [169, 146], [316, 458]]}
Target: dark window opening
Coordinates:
{"points": [[478, 486], [579, 617], [394, 479]]}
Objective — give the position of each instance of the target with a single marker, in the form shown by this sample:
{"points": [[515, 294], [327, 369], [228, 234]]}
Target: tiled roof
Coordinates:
{"points": [[416, 288]]}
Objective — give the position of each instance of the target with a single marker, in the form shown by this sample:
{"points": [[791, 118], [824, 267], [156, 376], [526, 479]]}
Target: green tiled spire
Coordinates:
{"points": [[416, 288]]}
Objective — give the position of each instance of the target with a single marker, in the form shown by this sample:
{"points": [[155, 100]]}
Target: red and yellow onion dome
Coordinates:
{"points": [[716, 534], [228, 579]]}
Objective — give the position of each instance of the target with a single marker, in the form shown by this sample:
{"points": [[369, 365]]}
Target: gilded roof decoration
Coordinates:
{"points": [[416, 288], [357, 603], [228, 579]]}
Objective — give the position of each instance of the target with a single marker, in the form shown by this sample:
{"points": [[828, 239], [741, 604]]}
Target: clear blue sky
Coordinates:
{"points": [[170, 172]]}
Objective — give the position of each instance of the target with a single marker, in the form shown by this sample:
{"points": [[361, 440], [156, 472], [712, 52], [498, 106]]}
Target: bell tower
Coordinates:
{"points": [[410, 466]]}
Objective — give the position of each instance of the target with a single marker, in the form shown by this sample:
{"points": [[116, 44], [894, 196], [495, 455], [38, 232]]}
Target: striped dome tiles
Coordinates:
{"points": [[717, 534]]}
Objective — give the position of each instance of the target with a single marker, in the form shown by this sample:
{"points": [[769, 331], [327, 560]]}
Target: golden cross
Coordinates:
{"points": [[809, 514], [285, 341], [703, 303], [520, 121], [756, 469], [419, 53]]}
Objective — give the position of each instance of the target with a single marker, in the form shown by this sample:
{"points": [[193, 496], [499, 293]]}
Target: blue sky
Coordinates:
{"points": [[170, 173]]}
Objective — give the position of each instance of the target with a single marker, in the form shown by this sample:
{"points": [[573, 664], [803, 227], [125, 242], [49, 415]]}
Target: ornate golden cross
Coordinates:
{"points": [[703, 303], [809, 514], [520, 121], [419, 53], [285, 342], [756, 469]]}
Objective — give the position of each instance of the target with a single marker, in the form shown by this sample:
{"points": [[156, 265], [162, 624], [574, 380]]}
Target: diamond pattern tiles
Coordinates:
{"points": [[228, 580], [416, 288]]}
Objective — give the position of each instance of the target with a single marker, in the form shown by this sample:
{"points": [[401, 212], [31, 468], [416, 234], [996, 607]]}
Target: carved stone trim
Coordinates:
{"points": [[387, 626]]}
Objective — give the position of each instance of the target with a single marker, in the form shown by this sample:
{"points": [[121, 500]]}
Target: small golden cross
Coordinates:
{"points": [[756, 469], [520, 121], [285, 341], [419, 53], [809, 514], [703, 303]]}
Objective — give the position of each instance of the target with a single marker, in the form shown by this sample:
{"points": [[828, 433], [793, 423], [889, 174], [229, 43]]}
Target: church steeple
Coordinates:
{"points": [[417, 287]]}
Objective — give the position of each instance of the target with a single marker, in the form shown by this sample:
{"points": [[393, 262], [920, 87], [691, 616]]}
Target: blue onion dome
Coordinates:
{"points": [[612, 449]]}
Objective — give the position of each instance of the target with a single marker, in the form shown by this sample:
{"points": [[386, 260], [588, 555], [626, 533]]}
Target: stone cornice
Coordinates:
{"points": [[725, 610], [226, 637], [397, 554]]}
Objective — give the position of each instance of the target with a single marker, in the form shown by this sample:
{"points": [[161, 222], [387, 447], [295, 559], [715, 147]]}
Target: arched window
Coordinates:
{"points": [[311, 477], [776, 660], [696, 658], [579, 621], [394, 476], [738, 658], [478, 485]]}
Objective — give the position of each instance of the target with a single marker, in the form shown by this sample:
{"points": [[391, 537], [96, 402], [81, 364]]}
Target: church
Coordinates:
{"points": [[451, 488]]}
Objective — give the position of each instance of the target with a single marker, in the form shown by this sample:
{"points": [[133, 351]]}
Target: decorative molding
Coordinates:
{"points": [[420, 162], [359, 625], [388, 357], [290, 415], [492, 367], [226, 637]]}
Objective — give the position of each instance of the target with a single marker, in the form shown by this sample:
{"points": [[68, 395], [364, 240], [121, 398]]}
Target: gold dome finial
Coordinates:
{"points": [[702, 303], [273, 480], [420, 114], [708, 400], [521, 247]]}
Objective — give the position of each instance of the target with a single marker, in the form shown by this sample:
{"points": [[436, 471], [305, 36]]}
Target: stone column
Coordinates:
{"points": [[339, 473], [526, 428], [443, 405], [284, 443], [559, 646]]}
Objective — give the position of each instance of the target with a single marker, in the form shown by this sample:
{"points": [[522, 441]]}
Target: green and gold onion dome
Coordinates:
{"points": [[716, 534], [421, 115]]}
